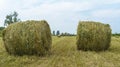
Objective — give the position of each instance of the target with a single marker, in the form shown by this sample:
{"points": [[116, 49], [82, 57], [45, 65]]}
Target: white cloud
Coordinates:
{"points": [[111, 1], [60, 7], [106, 13], [69, 6], [60, 13], [2, 4], [103, 2]]}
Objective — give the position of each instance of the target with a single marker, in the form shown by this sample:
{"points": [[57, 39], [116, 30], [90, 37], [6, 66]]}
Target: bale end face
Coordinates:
{"points": [[93, 36]]}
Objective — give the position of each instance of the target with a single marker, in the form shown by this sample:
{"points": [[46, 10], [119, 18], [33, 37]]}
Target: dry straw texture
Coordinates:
{"points": [[93, 36], [29, 37]]}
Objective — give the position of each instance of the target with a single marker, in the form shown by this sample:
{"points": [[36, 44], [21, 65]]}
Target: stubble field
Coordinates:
{"points": [[65, 54]]}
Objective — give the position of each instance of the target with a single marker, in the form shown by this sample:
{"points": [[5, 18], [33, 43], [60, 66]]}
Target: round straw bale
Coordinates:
{"points": [[28, 37], [93, 36]]}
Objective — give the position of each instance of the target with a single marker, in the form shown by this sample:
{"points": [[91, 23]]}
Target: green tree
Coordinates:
{"points": [[53, 33], [1, 28], [58, 32], [11, 18]]}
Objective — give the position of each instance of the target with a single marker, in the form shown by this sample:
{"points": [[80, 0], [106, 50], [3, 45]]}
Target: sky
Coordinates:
{"points": [[64, 15]]}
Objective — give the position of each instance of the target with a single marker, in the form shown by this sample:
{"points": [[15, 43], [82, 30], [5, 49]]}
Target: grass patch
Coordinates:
{"points": [[64, 54]]}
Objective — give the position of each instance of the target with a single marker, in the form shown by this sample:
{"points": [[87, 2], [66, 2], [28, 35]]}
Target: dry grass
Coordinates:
{"points": [[93, 36], [29, 37], [64, 54]]}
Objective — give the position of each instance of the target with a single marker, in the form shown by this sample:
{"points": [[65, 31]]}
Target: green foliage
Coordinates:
{"points": [[53, 33], [116, 34], [0, 33], [58, 32], [29, 37], [67, 34], [93, 36], [1, 29], [11, 18]]}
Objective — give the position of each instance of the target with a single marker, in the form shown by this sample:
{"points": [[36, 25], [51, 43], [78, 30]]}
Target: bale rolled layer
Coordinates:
{"points": [[29, 37], [93, 36]]}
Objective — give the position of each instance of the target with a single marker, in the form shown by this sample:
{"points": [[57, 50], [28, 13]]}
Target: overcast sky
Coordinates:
{"points": [[64, 15]]}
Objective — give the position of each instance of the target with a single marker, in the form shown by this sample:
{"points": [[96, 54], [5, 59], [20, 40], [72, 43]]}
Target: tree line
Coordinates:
{"points": [[116, 34], [57, 33], [13, 18]]}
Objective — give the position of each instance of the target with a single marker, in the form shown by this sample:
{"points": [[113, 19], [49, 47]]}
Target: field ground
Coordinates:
{"points": [[64, 54]]}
